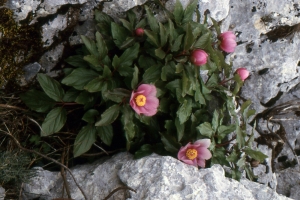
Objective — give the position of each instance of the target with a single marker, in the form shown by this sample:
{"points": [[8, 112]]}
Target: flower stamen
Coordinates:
{"points": [[191, 154], [140, 100]]}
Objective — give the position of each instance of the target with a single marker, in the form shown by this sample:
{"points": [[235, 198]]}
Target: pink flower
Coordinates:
{"points": [[196, 153], [228, 42], [139, 32], [243, 73], [198, 57], [144, 100]]}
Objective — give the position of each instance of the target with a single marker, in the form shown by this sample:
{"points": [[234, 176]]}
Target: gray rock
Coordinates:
{"points": [[152, 177], [31, 70], [157, 177], [2, 193], [51, 57], [97, 180], [289, 182]]}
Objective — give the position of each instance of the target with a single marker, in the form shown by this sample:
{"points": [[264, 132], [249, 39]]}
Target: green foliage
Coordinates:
{"points": [[106, 72]]}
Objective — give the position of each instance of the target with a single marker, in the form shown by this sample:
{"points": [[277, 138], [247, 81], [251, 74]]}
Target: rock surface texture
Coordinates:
{"points": [[152, 177]]}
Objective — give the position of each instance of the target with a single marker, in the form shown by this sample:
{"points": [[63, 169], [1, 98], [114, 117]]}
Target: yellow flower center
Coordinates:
{"points": [[191, 154], [140, 100]]}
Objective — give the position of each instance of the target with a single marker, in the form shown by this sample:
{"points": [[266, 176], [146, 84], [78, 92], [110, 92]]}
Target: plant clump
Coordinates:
{"points": [[146, 87]]}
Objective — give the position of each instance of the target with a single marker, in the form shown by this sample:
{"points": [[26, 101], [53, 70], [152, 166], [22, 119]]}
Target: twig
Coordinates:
{"points": [[46, 157], [11, 107], [117, 189], [63, 175], [101, 149]]}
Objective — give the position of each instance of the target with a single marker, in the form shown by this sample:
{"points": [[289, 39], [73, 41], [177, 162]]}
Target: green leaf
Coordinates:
{"points": [[213, 81], [90, 115], [129, 127], [51, 87], [76, 61], [240, 137], [256, 155], [131, 16], [90, 45], [177, 43], [84, 97], [119, 33], [37, 101], [206, 130], [129, 55], [151, 20], [198, 94], [189, 38], [185, 110], [141, 23], [152, 74], [238, 84], [109, 116], [95, 85], [71, 95], [179, 68], [223, 131], [160, 53], [145, 150], [189, 11], [180, 129], [135, 78], [215, 120], [84, 140], [203, 41], [127, 24], [163, 35], [127, 43], [105, 133], [101, 46], [79, 78], [153, 37], [118, 94], [170, 143], [171, 31], [167, 71], [94, 61], [178, 12], [216, 26], [54, 121], [219, 157]]}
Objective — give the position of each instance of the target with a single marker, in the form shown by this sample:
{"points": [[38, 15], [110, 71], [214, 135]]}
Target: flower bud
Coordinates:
{"points": [[228, 42], [139, 32], [198, 57], [243, 73]]}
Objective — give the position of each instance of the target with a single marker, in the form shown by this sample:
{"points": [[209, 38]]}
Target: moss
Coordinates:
{"points": [[19, 45]]}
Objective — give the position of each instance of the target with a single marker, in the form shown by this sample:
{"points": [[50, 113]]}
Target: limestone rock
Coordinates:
{"points": [[289, 182], [158, 177], [152, 177], [2, 193], [97, 180]]}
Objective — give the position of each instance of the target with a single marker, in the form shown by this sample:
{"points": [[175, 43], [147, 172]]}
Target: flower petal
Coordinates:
{"points": [[203, 143], [203, 153], [201, 163], [147, 90]]}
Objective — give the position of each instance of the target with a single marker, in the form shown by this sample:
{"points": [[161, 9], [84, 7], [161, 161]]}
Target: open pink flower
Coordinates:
{"points": [[198, 57], [196, 153], [228, 42], [144, 100], [139, 32], [243, 73]]}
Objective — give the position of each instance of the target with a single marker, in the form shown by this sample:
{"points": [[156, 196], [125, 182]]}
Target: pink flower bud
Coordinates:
{"points": [[139, 32], [243, 73], [199, 57], [228, 42]]}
